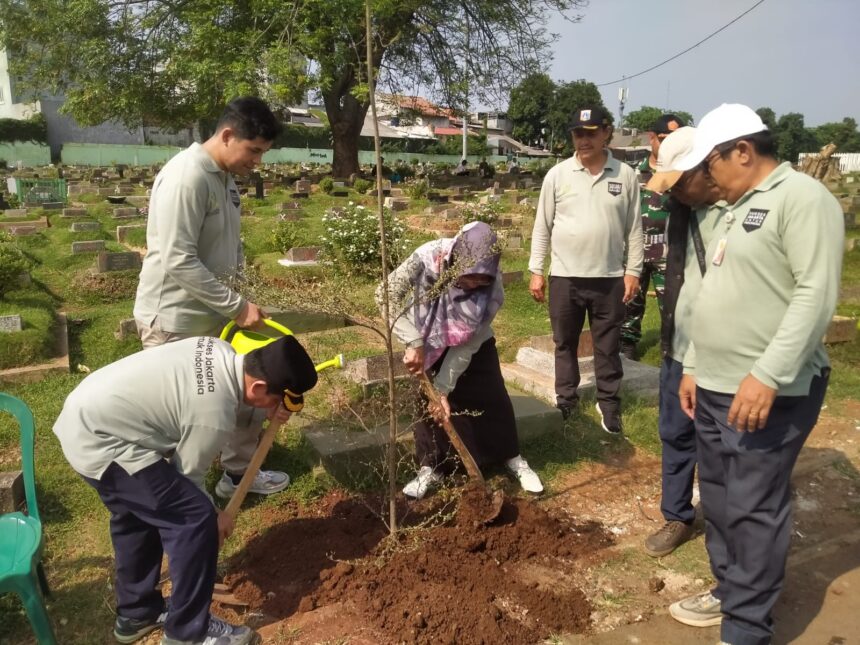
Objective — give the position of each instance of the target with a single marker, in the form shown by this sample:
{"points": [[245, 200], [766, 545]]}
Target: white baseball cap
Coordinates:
{"points": [[725, 123], [678, 144]]}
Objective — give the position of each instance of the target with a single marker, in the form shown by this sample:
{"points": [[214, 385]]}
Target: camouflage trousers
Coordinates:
{"points": [[652, 273]]}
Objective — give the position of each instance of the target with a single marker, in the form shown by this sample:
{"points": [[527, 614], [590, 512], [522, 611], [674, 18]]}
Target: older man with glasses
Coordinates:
{"points": [[756, 371]]}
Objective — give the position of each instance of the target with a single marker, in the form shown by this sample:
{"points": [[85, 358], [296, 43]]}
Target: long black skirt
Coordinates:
{"points": [[487, 427]]}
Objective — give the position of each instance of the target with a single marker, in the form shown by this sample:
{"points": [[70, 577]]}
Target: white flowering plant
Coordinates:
{"points": [[351, 240], [487, 213]]}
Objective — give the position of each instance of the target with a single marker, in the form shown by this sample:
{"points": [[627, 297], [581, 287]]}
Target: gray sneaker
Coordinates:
{"points": [[702, 610], [219, 633], [667, 539]]}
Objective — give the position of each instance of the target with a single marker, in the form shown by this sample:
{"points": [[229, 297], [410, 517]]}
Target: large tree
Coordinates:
{"points": [[768, 116], [643, 119], [171, 63], [844, 134], [793, 137], [529, 107]]}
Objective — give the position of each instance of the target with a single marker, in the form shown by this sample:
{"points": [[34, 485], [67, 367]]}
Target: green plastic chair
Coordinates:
{"points": [[21, 539]]}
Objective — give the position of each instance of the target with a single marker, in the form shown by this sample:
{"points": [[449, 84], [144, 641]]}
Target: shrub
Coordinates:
{"points": [[327, 185], [361, 186], [351, 240], [417, 188], [13, 263], [487, 213], [540, 167], [288, 235]]}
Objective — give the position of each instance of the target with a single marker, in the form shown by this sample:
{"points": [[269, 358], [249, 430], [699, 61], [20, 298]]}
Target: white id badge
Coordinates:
{"points": [[720, 253]]}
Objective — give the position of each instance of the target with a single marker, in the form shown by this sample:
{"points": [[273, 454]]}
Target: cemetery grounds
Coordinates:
{"points": [[314, 563]]}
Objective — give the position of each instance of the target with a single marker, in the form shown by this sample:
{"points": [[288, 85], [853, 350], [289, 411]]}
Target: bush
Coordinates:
{"points": [[327, 185], [487, 213], [351, 240], [288, 235], [540, 167], [417, 189], [361, 186], [13, 263], [34, 129]]}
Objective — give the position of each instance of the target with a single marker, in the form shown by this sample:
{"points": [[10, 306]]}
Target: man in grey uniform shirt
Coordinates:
{"points": [[756, 370], [588, 214], [194, 250], [143, 432]]}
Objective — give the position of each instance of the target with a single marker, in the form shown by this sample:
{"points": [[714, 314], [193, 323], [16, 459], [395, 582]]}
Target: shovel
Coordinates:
{"points": [[498, 497]]}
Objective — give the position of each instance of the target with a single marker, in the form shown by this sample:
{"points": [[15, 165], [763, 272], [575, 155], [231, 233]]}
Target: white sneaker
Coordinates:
{"points": [[701, 610], [528, 478], [419, 486], [265, 483], [219, 633]]}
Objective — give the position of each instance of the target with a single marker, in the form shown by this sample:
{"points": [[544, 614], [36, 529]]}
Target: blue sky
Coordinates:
{"points": [[790, 55]]}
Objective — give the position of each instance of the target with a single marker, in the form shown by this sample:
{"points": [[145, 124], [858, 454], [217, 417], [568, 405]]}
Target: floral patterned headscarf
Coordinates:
{"points": [[445, 314]]}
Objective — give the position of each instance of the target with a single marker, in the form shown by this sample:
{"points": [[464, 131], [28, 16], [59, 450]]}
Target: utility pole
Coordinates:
{"points": [[623, 95]]}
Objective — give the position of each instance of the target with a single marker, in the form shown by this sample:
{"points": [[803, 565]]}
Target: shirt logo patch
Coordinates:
{"points": [[234, 197], [614, 187], [585, 115], [754, 219]]}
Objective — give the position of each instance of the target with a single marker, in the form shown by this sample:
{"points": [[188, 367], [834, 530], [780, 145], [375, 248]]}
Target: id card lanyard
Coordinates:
{"points": [[720, 252]]}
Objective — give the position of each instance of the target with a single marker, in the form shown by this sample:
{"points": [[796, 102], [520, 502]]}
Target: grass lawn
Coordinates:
{"points": [[79, 556]]}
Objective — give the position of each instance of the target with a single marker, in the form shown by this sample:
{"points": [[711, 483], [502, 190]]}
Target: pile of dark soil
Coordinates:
{"points": [[463, 582]]}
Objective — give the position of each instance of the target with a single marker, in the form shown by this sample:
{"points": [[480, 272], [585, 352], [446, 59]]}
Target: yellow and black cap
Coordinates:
{"points": [[287, 369], [590, 118]]}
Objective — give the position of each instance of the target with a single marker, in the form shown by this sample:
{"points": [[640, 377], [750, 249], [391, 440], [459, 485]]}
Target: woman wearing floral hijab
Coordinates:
{"points": [[444, 298]]}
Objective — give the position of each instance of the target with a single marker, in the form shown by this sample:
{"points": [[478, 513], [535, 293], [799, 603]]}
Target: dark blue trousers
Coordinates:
{"points": [[744, 483], [678, 436], [154, 511]]}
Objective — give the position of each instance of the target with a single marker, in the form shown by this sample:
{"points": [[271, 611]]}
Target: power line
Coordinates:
{"points": [[668, 60]]}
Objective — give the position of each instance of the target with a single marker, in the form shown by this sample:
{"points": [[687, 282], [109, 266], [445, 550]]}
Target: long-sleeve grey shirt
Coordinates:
{"points": [[587, 222], [178, 401], [766, 300], [193, 247], [402, 293]]}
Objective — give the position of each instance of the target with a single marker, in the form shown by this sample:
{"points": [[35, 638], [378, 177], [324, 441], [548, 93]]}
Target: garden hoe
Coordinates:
{"points": [[498, 497]]}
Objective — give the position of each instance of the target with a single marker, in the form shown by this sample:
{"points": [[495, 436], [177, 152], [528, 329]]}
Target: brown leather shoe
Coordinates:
{"points": [[667, 539]]}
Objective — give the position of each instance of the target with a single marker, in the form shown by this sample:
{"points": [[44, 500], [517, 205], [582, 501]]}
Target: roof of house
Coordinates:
{"points": [[417, 104]]}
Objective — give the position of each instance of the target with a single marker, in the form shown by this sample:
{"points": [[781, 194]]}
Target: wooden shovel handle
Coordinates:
{"points": [[448, 427], [266, 440]]}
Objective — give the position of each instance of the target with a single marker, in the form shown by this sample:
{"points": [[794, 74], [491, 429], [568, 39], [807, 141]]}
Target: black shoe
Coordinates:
{"points": [[128, 630], [611, 423], [628, 350], [566, 410]]}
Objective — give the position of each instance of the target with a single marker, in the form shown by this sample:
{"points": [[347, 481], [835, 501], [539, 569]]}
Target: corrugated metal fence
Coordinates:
{"points": [[848, 161]]}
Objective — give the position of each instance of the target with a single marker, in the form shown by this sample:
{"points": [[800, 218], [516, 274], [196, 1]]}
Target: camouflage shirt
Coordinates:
{"points": [[654, 215]]}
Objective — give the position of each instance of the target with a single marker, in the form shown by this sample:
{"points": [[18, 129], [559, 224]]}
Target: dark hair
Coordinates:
{"points": [[254, 367], [250, 118], [764, 144]]}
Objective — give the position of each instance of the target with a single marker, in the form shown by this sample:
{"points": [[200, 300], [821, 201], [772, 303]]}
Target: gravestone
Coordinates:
{"points": [[842, 329], [10, 323], [81, 227], [289, 216], [122, 261], [437, 198], [127, 212], [339, 184], [259, 188], [15, 213], [451, 213], [22, 231], [303, 254], [303, 188], [396, 204], [488, 199], [340, 193], [52, 206], [12, 497], [433, 210], [42, 222], [511, 277], [514, 242], [123, 231], [88, 246], [137, 200], [289, 206], [74, 212], [127, 329], [373, 368]]}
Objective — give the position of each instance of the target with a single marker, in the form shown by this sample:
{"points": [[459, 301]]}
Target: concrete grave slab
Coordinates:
{"points": [[15, 213], [10, 323], [123, 261], [82, 227], [122, 232], [74, 212], [127, 212], [88, 246]]}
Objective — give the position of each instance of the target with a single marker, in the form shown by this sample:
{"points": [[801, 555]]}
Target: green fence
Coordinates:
{"points": [[24, 154], [41, 190]]}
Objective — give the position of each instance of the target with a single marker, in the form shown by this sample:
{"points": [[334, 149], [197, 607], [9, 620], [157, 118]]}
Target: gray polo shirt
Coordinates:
{"points": [[709, 219], [178, 401], [193, 247], [588, 222], [764, 308]]}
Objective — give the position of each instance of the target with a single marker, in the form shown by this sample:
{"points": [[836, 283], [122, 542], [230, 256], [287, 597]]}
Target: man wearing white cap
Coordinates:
{"points": [[756, 372], [694, 206]]}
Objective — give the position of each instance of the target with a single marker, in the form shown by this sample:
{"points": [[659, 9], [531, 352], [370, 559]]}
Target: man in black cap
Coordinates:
{"points": [[654, 215], [588, 217], [143, 432]]}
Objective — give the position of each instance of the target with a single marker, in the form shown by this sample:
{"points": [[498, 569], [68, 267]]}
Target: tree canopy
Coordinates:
{"points": [[171, 63], [643, 119]]}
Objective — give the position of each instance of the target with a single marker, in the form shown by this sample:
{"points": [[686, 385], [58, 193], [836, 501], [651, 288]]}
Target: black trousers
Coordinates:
{"points": [[678, 439], [744, 482], [158, 510], [601, 299], [491, 434]]}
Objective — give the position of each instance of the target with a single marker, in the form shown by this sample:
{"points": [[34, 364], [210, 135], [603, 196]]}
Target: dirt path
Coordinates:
{"points": [[302, 596]]}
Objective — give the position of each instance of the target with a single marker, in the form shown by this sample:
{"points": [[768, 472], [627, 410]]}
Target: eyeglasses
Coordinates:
{"points": [[719, 151]]}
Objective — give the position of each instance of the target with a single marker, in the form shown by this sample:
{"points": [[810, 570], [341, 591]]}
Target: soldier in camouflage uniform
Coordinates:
{"points": [[654, 215]]}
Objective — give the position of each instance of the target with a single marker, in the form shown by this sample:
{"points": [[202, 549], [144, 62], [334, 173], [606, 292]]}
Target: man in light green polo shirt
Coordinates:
{"points": [[588, 217], [756, 371]]}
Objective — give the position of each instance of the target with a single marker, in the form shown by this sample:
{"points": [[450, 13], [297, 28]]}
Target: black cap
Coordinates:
{"points": [[667, 124], [286, 366], [590, 117]]}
